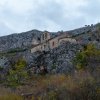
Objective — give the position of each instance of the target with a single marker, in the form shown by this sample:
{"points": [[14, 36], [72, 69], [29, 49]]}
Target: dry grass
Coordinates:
{"points": [[11, 97], [80, 86], [6, 94]]}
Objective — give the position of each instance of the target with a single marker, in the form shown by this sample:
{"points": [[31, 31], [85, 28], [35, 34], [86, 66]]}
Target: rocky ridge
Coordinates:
{"points": [[58, 60]]}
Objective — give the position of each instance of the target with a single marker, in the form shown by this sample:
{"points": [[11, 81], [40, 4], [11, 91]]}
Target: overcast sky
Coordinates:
{"points": [[52, 15]]}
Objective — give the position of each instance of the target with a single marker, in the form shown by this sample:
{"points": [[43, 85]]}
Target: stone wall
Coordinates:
{"points": [[51, 44], [71, 40], [54, 43], [36, 48]]}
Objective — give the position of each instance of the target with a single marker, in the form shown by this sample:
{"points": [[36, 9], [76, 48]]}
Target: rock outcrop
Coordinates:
{"points": [[23, 40], [57, 60]]}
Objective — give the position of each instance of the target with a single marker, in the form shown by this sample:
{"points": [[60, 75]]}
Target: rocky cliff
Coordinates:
{"points": [[58, 60], [22, 40]]}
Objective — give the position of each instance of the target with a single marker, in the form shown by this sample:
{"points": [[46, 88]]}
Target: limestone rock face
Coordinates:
{"points": [[60, 60], [3, 61], [22, 40]]}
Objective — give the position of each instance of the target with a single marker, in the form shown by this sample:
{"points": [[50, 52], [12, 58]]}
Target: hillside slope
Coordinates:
{"points": [[58, 60]]}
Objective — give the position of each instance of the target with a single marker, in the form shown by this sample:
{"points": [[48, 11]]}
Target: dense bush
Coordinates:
{"points": [[86, 56], [1, 68], [17, 73]]}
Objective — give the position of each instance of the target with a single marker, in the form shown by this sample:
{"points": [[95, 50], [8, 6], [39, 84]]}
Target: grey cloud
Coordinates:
{"points": [[92, 9], [52, 16], [51, 11], [5, 29]]}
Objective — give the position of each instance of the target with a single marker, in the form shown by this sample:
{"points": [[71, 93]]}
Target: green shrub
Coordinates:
{"points": [[1, 68], [82, 58], [16, 50], [17, 74], [54, 66]]}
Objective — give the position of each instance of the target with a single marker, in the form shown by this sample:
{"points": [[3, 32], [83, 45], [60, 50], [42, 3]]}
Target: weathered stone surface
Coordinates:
{"points": [[22, 40], [60, 59]]}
